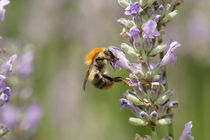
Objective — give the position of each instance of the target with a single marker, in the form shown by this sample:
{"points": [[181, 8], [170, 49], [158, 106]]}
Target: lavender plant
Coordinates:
{"points": [[5, 70], [24, 114], [149, 99]]}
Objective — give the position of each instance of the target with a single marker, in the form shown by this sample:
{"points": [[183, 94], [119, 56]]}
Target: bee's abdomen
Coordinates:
{"points": [[102, 81]]}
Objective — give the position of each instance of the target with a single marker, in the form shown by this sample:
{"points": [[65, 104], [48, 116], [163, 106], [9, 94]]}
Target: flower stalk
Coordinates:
{"points": [[149, 99]]}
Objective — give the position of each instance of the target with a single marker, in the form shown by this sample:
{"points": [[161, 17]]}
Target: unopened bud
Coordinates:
{"points": [[133, 99], [124, 3], [150, 2], [125, 22], [156, 77], [165, 121], [128, 49], [143, 2], [158, 49], [162, 99], [144, 116], [3, 130], [170, 16], [137, 121]]}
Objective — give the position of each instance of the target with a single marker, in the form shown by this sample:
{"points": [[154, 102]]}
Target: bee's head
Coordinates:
{"points": [[110, 56]]}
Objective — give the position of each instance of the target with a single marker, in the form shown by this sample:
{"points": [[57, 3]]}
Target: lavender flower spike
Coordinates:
{"points": [[187, 132], [149, 29], [3, 3], [133, 9], [134, 32], [170, 55]]}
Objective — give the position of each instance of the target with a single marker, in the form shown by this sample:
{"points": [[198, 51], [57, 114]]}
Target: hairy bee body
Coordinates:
{"points": [[97, 60]]}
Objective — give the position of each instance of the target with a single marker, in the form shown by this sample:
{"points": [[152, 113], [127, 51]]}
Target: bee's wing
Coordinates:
{"points": [[86, 78], [88, 73]]}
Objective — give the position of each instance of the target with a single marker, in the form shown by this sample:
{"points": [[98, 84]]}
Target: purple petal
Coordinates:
{"points": [[170, 55], [149, 30], [32, 118], [3, 3], [10, 116], [122, 61], [133, 9], [6, 67], [187, 132], [127, 104], [25, 65]]}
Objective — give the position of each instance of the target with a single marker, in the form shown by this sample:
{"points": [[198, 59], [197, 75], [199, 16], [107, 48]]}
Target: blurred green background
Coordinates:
{"points": [[64, 31]]}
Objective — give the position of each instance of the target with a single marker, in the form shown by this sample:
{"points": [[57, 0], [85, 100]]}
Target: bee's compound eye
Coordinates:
{"points": [[100, 59]]}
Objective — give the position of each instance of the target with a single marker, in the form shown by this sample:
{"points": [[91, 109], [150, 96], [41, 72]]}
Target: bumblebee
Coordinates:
{"points": [[97, 60]]}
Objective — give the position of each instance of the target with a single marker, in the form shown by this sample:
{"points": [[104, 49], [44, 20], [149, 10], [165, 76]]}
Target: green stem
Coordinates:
{"points": [[154, 134], [170, 126]]}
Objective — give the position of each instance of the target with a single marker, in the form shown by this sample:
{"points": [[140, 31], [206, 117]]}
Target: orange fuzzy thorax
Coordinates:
{"points": [[90, 56]]}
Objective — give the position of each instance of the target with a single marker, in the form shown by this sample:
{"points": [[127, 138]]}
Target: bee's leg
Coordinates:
{"points": [[120, 79]]}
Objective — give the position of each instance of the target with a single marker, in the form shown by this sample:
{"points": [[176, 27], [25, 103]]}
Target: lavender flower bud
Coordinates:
{"points": [[153, 115], [162, 99], [160, 48], [3, 130], [137, 121], [144, 116], [143, 2], [129, 50], [140, 93], [125, 22], [3, 3], [172, 104], [170, 16], [132, 98], [150, 2], [3, 99], [128, 104], [123, 3], [137, 70], [146, 137], [187, 132], [165, 121], [156, 77], [167, 138]]}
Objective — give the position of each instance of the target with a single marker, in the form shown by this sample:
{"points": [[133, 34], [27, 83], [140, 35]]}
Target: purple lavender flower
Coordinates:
{"points": [[3, 3], [187, 132], [126, 103], [134, 33], [5, 91], [170, 55], [25, 65], [122, 61], [3, 99], [10, 116], [153, 114], [133, 9], [32, 118], [149, 30], [161, 7], [6, 67]]}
